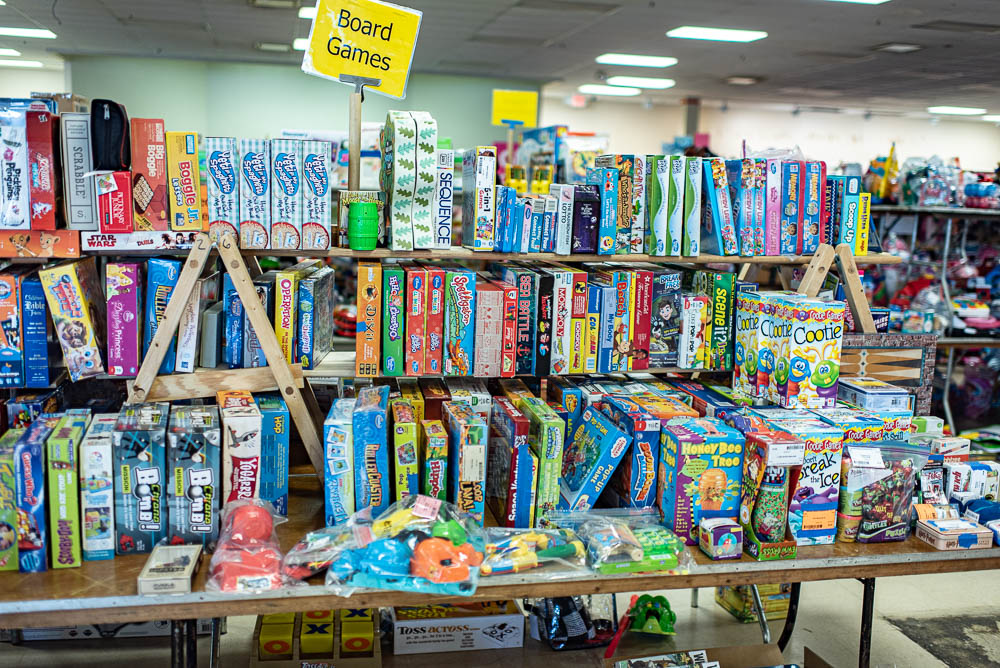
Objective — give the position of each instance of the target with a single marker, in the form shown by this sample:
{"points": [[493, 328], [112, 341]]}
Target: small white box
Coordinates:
{"points": [[450, 628], [169, 570]]}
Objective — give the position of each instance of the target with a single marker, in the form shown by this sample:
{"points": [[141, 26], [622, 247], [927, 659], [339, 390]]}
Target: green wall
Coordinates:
{"points": [[249, 100]]}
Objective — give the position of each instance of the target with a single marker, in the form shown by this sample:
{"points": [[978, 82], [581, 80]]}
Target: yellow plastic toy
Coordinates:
{"points": [[393, 524], [275, 640], [316, 637], [356, 638], [317, 616]]}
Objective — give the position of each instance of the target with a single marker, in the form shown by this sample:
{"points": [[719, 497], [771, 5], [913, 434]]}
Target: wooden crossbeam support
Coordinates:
{"points": [[817, 270], [150, 367], [302, 415]]}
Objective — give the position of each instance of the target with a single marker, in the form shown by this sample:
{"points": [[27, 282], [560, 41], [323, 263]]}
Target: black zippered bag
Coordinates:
{"points": [[109, 132]]}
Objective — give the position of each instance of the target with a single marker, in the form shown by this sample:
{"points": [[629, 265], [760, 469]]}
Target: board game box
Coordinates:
{"points": [[139, 443]]}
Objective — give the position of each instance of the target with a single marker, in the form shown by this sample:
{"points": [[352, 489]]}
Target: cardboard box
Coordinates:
{"points": [[691, 239], [625, 166], [8, 501], [434, 331], [64, 489], [371, 456], [223, 205], [738, 601], [864, 223], [635, 478], [80, 199], [606, 181], [317, 209], [338, 440], [253, 351], [872, 394], [489, 325], [815, 494], [589, 459], [15, 204], [12, 348], [114, 202], [169, 570], [369, 336], [139, 443], [242, 449], [255, 193], [546, 438], [234, 328], [286, 195], [398, 176], [444, 197], [512, 472], [393, 326], [124, 306], [720, 538], [149, 175], [161, 278], [435, 394], [317, 297], [459, 323], [212, 324], [448, 628], [274, 437], [184, 189], [45, 191], [77, 305], [29, 481], [434, 459], [466, 457], [792, 193], [194, 462], [187, 329], [286, 298], [954, 534], [478, 207], [404, 447], [769, 456], [97, 488], [701, 465], [813, 193]]}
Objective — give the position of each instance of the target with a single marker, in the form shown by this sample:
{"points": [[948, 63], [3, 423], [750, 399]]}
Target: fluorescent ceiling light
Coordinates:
{"points": [[300, 43], [641, 82], [26, 32], [742, 81], [992, 118], [308, 13], [717, 34], [599, 89], [898, 47], [20, 63], [273, 47], [861, 2], [9, 52], [956, 111], [634, 60]]}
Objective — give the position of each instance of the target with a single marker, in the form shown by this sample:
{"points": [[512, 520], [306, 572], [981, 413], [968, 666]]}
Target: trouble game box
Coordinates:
{"points": [[194, 450], [241, 445], [139, 443]]}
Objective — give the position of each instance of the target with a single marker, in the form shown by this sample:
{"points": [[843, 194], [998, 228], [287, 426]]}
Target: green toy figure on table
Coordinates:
{"points": [[652, 614]]}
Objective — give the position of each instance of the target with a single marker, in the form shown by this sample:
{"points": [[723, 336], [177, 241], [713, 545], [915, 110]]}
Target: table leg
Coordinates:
{"points": [[945, 400], [867, 615], [192, 643], [758, 606], [216, 646], [694, 597], [176, 644], [793, 611]]}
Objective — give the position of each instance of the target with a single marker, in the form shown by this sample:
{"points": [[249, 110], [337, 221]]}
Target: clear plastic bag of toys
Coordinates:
{"points": [[547, 553], [419, 544], [247, 558], [624, 540], [316, 550], [876, 496]]}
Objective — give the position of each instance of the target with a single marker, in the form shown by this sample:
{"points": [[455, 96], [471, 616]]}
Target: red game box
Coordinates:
{"points": [[114, 202], [42, 128]]}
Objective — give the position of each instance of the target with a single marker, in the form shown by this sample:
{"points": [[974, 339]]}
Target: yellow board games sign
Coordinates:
{"points": [[365, 38]]}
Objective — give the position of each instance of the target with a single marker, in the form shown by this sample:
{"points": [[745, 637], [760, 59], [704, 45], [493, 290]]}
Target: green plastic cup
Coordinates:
{"points": [[362, 225]]}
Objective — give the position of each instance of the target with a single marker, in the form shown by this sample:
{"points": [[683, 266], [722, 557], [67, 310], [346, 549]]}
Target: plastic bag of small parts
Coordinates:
{"points": [[316, 551], [247, 558], [881, 498], [573, 622], [548, 553], [419, 544], [624, 540]]}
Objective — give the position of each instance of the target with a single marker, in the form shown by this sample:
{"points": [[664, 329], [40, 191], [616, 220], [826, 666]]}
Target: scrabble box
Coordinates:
{"points": [[139, 443], [194, 460]]}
